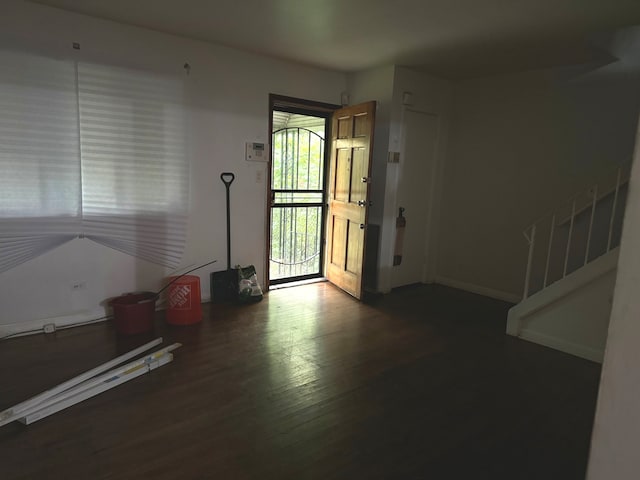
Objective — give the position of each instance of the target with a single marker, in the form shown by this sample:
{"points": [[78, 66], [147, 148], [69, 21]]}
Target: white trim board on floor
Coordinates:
{"points": [[478, 289], [11, 413], [66, 402]]}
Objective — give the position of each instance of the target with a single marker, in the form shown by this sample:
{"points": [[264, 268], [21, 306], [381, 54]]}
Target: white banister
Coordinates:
{"points": [[583, 203], [546, 267], [566, 255], [532, 241], [593, 214], [613, 209]]}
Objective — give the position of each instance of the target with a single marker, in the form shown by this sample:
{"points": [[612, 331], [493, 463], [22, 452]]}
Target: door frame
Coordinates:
{"points": [[303, 107]]}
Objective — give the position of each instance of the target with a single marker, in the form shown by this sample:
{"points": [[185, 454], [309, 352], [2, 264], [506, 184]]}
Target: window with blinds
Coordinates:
{"points": [[90, 150]]}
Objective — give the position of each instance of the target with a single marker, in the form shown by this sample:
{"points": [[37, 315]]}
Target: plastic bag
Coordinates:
{"points": [[249, 290]]}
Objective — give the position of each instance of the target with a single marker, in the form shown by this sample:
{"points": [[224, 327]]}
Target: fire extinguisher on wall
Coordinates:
{"points": [[401, 223]]}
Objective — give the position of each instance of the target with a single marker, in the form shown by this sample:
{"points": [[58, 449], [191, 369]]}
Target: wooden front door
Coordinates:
{"points": [[349, 179]]}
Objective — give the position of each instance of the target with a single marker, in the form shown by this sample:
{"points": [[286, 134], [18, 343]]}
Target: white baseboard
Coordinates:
{"points": [[480, 290], [563, 345], [31, 327]]}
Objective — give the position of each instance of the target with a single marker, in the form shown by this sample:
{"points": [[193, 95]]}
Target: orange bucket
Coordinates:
{"points": [[184, 306]]}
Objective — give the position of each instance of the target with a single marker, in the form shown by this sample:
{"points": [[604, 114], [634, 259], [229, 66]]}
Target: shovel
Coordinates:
{"points": [[224, 284]]}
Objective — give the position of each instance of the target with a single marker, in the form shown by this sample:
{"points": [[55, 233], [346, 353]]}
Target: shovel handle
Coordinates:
{"points": [[227, 178]]}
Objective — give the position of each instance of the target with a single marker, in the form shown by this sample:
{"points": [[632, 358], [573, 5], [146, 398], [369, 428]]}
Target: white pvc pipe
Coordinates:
{"points": [[109, 376], [51, 408], [12, 413]]}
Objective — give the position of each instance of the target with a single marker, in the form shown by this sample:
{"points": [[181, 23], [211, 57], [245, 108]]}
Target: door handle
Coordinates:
{"points": [[362, 226], [363, 203], [365, 179]]}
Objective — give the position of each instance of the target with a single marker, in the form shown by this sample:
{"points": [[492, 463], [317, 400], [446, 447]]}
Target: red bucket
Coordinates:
{"points": [[133, 313]]}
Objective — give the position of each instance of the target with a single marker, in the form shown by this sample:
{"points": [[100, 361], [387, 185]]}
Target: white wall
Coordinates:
{"points": [[616, 432], [375, 84], [520, 144], [227, 92], [432, 95], [429, 94], [386, 85]]}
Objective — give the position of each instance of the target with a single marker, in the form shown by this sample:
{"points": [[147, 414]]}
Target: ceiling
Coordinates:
{"points": [[450, 38], [294, 120]]}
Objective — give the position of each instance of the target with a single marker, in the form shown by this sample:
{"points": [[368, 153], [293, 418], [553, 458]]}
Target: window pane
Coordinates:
{"points": [[135, 176], [39, 146], [133, 149]]}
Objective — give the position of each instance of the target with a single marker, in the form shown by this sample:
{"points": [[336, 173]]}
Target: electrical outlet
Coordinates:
{"points": [[49, 328]]}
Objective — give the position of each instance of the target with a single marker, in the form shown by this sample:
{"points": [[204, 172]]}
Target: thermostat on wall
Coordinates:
{"points": [[256, 152]]}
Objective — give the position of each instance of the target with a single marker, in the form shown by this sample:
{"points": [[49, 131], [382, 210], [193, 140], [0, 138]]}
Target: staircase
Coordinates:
{"points": [[571, 267]]}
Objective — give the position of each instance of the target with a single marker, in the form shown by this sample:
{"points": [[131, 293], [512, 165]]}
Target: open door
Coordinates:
{"points": [[348, 196]]}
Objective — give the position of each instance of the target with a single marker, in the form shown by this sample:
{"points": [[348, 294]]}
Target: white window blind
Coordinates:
{"points": [[39, 156], [135, 184], [90, 150]]}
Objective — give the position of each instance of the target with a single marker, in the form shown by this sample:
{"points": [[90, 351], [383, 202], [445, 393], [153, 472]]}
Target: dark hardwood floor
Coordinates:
{"points": [[421, 383]]}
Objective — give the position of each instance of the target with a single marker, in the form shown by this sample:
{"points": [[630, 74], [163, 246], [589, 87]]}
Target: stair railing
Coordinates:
{"points": [[595, 193]]}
